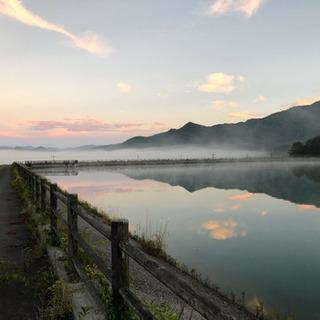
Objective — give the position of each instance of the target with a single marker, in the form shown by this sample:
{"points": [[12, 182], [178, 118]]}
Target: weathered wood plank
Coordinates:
{"points": [[93, 255], [53, 207], [120, 261], [137, 306], [72, 226], [104, 229], [178, 286], [43, 195], [92, 289], [62, 197]]}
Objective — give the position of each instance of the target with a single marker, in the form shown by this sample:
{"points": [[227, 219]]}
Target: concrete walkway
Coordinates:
{"points": [[17, 301]]}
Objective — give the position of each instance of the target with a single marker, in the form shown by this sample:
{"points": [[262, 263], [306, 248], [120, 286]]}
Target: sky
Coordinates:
{"points": [[81, 72]]}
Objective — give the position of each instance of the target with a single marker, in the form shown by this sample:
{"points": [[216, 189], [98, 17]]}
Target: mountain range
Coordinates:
{"points": [[279, 129]]}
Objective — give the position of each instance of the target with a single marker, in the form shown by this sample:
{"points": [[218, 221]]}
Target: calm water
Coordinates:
{"points": [[9, 156], [248, 227]]}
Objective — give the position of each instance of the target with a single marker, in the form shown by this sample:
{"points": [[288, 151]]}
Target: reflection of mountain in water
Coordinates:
{"points": [[296, 182]]}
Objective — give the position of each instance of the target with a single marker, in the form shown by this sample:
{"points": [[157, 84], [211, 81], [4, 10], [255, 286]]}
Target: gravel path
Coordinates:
{"points": [[17, 301]]}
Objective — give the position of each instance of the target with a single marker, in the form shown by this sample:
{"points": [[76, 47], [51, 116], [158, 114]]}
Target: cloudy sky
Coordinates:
{"points": [[82, 72]]}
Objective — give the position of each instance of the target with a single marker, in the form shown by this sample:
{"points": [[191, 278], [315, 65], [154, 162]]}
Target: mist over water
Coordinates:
{"points": [[9, 156], [248, 227]]}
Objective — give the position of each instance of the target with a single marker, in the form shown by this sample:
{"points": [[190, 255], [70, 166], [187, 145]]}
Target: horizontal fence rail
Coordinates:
{"points": [[46, 196]]}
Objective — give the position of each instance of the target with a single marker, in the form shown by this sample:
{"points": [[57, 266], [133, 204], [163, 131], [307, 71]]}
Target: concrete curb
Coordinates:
{"points": [[83, 305]]}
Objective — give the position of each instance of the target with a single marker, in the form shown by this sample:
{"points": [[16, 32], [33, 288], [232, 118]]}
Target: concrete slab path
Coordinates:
{"points": [[17, 301]]}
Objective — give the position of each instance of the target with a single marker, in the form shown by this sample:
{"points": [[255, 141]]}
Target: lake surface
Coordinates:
{"points": [[9, 156], [248, 227]]}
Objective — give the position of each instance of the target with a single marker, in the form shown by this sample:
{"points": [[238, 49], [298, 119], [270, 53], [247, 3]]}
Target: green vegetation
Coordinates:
{"points": [[162, 311], [51, 291], [95, 212], [311, 148]]}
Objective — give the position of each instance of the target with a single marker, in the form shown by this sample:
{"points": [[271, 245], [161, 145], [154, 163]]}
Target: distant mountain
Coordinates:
{"points": [[278, 129], [27, 148]]}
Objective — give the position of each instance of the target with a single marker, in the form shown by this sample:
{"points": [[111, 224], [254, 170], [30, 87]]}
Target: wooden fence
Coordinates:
{"points": [[45, 193]]}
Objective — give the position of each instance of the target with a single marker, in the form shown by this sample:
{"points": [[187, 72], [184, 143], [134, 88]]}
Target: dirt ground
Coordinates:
{"points": [[17, 301]]}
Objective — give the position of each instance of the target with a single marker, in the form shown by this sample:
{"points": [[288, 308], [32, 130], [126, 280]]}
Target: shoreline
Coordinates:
{"points": [[191, 161]]}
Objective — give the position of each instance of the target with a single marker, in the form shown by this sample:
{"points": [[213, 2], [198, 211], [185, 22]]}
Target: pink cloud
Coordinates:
{"points": [[77, 125], [10, 134]]}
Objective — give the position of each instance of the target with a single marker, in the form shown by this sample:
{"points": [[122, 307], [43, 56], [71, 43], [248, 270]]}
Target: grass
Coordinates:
{"points": [[152, 242], [95, 212], [52, 293]]}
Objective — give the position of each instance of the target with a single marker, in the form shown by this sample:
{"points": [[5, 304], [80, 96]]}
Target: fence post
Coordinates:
{"points": [[29, 183], [53, 208], [43, 205], [24, 173], [33, 179], [37, 191], [72, 226], [120, 261]]}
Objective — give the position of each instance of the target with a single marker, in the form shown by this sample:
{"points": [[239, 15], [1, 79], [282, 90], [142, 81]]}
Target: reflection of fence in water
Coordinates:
{"points": [[59, 172], [47, 195]]}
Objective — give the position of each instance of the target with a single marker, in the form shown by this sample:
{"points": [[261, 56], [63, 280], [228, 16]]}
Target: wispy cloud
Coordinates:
{"points": [[240, 115], [304, 101], [93, 43], [221, 104], [89, 41], [163, 95], [260, 98], [245, 115], [77, 125], [10, 134], [123, 87], [220, 83], [221, 7]]}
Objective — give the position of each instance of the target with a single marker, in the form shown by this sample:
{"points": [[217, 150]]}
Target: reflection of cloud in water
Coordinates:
{"points": [[242, 196], [96, 192], [220, 208], [307, 207], [222, 230]]}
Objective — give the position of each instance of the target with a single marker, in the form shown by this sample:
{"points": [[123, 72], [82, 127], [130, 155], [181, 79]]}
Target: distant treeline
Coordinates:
{"points": [[309, 149]]}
